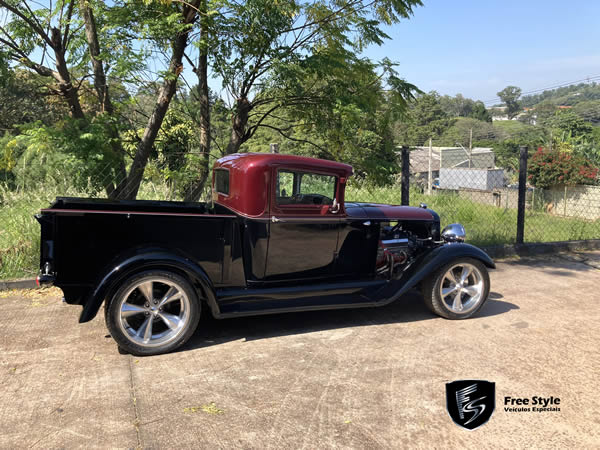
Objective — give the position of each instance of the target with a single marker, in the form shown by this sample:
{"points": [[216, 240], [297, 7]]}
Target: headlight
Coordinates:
{"points": [[454, 232]]}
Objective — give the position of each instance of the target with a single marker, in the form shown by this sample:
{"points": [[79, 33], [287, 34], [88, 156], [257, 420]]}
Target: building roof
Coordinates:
{"points": [[419, 157]]}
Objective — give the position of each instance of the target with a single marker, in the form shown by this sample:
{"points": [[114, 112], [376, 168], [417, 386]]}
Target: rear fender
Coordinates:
{"points": [[146, 260]]}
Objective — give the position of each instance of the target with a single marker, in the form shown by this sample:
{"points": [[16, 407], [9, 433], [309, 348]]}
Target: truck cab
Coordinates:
{"points": [[298, 226]]}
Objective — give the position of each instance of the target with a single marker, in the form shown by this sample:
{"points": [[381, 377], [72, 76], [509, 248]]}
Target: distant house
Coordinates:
{"points": [[498, 113], [448, 157], [478, 179]]}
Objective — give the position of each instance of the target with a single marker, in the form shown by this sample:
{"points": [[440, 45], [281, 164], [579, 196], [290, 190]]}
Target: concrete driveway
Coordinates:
{"points": [[351, 379]]}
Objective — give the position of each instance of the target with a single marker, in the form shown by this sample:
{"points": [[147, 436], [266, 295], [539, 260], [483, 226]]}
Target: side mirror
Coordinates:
{"points": [[335, 207]]}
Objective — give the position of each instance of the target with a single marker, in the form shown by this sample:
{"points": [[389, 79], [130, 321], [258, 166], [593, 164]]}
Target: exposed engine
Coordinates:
{"points": [[397, 248]]}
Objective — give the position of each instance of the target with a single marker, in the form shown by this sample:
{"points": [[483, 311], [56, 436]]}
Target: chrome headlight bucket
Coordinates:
{"points": [[454, 232]]}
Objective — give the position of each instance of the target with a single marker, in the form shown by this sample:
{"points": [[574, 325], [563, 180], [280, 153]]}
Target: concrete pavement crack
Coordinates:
{"points": [[136, 421]]}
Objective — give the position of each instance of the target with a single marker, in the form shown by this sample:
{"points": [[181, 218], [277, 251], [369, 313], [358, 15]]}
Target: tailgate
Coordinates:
{"points": [[47, 271]]}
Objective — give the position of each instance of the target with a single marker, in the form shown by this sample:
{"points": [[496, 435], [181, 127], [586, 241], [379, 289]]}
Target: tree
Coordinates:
{"points": [[183, 20], [460, 132], [566, 125], [24, 99], [510, 97], [480, 112], [425, 119], [460, 106], [265, 47], [48, 41], [588, 111]]}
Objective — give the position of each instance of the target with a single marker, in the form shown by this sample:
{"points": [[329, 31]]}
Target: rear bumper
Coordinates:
{"points": [[45, 280]]}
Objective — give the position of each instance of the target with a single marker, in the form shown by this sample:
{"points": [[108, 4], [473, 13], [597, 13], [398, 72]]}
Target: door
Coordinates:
{"points": [[304, 225]]}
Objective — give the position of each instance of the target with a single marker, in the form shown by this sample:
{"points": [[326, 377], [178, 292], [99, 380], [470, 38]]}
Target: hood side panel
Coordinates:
{"points": [[391, 212]]}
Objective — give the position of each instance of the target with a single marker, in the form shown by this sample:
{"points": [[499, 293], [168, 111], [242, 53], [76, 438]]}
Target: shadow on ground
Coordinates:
{"points": [[409, 308], [562, 264]]}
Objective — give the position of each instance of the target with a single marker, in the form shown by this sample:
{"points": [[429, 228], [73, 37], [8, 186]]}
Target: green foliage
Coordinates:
{"points": [[24, 99], [568, 95], [460, 132], [460, 106], [510, 97], [555, 167], [68, 154], [588, 111], [426, 119], [567, 125]]}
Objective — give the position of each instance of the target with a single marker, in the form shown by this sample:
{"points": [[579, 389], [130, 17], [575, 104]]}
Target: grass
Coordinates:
{"points": [[485, 225]]}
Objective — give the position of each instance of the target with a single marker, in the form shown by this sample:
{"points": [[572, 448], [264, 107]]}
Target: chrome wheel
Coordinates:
{"points": [[461, 288], [153, 312]]}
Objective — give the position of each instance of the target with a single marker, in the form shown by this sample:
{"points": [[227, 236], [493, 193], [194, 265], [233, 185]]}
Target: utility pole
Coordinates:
{"points": [[470, 146], [405, 176], [429, 180], [522, 194]]}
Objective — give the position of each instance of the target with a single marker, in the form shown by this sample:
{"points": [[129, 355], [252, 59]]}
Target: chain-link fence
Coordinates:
{"points": [[466, 185], [463, 185], [30, 187]]}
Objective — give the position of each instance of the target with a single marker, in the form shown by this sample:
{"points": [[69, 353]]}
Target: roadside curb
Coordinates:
{"points": [[18, 284], [534, 249]]}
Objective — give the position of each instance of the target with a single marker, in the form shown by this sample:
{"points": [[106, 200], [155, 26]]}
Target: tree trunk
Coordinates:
{"points": [[238, 125], [101, 86], [63, 77], [129, 188], [195, 191]]}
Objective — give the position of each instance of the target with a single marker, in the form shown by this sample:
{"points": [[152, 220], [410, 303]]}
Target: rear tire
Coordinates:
{"points": [[458, 289], [153, 312]]}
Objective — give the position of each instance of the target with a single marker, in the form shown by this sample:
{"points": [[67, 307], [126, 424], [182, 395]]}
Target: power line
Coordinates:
{"points": [[535, 91]]}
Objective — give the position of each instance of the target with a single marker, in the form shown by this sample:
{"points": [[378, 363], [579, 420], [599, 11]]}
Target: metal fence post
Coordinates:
{"points": [[522, 194], [405, 176]]}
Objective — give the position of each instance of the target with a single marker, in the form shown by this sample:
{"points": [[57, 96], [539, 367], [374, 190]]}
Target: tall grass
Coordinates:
{"points": [[486, 225], [20, 232]]}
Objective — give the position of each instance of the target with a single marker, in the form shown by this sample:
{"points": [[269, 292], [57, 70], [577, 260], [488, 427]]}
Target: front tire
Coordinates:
{"points": [[458, 289], [153, 312]]}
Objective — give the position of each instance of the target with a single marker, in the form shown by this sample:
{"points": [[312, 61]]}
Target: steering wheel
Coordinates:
{"points": [[319, 199]]}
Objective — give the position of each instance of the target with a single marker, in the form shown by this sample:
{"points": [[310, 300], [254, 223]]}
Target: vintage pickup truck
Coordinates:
{"points": [[276, 237]]}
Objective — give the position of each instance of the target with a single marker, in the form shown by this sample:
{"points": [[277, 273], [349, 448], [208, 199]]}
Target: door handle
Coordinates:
{"points": [[335, 207], [276, 219]]}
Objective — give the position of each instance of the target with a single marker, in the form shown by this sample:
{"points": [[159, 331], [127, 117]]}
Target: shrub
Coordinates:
{"points": [[552, 167]]}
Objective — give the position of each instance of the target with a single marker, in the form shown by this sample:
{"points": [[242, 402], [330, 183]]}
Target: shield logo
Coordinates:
{"points": [[470, 403]]}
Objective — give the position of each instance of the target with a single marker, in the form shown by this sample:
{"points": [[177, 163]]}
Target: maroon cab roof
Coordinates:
{"points": [[250, 177], [244, 161]]}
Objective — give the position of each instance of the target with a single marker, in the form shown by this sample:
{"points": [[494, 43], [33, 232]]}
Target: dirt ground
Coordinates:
{"points": [[341, 379]]}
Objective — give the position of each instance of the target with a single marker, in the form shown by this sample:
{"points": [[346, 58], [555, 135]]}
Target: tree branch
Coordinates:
{"points": [[33, 24], [304, 141]]}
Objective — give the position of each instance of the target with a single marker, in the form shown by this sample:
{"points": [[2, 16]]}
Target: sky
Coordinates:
{"points": [[477, 48]]}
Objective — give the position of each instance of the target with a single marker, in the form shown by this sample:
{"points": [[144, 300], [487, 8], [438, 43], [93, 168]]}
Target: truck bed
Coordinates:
{"points": [[149, 206], [82, 239]]}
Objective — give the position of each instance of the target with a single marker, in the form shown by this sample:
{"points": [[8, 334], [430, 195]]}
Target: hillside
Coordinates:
{"points": [[568, 95]]}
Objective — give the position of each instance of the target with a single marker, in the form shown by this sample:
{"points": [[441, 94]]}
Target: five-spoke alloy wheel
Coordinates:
{"points": [[153, 312], [458, 289]]}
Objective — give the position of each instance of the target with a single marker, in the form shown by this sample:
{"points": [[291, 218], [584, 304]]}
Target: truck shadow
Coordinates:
{"points": [[410, 308]]}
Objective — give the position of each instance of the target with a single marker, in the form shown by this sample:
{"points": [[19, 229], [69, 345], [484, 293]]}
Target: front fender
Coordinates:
{"points": [[426, 264], [144, 259]]}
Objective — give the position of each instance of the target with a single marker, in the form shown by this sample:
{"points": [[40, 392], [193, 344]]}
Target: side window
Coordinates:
{"points": [[302, 188], [222, 181]]}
